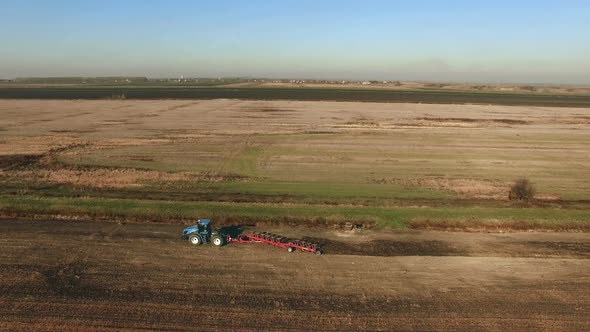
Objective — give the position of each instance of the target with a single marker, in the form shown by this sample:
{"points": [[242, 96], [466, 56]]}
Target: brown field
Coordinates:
{"points": [[475, 151], [62, 276], [301, 169]]}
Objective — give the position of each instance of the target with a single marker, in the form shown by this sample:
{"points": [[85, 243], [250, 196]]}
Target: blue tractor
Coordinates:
{"points": [[202, 233]]}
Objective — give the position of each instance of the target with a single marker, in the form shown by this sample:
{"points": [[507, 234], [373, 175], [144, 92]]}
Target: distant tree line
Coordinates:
{"points": [[79, 80]]}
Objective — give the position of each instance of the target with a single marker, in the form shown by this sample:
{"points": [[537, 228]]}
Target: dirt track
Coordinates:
{"points": [[105, 276]]}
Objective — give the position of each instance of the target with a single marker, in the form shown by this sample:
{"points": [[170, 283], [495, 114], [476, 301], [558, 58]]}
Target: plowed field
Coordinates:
{"points": [[64, 275]]}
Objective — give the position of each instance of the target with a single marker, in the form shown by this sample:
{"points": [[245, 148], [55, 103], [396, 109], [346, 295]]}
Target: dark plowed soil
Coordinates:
{"points": [[388, 248], [470, 120], [17, 161], [320, 94], [576, 248]]}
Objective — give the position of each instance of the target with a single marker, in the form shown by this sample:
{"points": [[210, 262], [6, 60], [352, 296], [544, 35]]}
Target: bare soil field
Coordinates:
{"points": [[62, 276]]}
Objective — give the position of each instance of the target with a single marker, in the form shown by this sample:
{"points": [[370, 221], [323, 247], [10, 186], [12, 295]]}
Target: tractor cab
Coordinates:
{"points": [[202, 228]]}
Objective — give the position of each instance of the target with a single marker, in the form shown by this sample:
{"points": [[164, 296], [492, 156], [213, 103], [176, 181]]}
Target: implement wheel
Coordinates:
{"points": [[318, 252], [195, 239], [290, 249], [217, 240]]}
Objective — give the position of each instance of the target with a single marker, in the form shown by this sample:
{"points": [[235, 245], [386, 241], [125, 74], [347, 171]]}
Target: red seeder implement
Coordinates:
{"points": [[277, 241]]}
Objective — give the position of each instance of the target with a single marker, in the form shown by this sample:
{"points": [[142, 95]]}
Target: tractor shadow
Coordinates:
{"points": [[234, 231]]}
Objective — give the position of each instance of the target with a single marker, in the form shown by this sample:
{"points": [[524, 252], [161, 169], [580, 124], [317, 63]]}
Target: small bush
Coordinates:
{"points": [[118, 96], [522, 190]]}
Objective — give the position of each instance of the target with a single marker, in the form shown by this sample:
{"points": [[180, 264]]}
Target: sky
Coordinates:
{"points": [[526, 41]]}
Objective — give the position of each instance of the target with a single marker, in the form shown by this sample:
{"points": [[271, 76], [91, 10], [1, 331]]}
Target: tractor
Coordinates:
{"points": [[202, 233]]}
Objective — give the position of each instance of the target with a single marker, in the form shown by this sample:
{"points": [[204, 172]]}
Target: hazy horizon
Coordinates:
{"points": [[296, 78], [539, 42]]}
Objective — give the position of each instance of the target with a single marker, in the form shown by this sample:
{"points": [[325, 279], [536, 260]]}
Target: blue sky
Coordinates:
{"points": [[476, 41]]}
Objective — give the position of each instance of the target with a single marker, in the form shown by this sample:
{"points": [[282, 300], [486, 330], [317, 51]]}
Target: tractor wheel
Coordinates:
{"points": [[217, 241], [318, 252], [195, 239], [290, 249]]}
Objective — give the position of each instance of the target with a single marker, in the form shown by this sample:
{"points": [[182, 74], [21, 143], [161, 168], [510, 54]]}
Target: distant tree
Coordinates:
{"points": [[522, 190], [118, 96]]}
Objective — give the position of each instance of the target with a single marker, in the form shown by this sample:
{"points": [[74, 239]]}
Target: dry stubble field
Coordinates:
{"points": [[296, 141]]}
